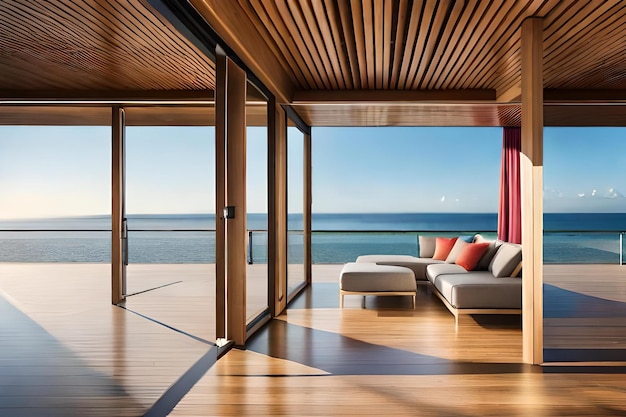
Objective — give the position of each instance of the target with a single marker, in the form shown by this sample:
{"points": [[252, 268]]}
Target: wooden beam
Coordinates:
{"points": [[531, 166], [118, 267], [240, 33], [513, 94], [382, 96], [277, 187], [107, 96], [584, 96], [236, 233]]}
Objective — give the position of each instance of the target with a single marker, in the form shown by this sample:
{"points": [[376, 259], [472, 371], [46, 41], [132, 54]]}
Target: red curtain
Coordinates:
{"points": [[510, 210]]}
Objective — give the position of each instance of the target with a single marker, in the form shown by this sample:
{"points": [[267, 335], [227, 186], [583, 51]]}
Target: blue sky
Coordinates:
{"points": [[64, 171]]}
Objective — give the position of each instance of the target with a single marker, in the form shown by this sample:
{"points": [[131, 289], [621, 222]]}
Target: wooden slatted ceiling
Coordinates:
{"points": [[95, 45], [441, 44]]}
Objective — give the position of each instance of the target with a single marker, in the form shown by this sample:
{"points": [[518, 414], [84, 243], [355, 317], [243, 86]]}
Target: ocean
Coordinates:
{"points": [[337, 238]]}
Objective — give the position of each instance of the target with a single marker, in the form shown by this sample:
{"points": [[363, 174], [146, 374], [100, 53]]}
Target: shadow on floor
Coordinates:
{"points": [[39, 376]]}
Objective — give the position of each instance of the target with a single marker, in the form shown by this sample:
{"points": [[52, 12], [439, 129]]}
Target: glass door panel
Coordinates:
{"points": [[295, 203], [170, 204], [257, 204]]}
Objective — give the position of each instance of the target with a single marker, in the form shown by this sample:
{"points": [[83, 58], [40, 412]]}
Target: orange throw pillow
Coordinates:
{"points": [[471, 254], [443, 246]]}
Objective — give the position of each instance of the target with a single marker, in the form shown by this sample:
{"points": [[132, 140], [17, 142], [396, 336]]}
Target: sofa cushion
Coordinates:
{"points": [[365, 277], [484, 262], [443, 246], [480, 289], [471, 254], [456, 250], [506, 259], [433, 272], [426, 246], [417, 265]]}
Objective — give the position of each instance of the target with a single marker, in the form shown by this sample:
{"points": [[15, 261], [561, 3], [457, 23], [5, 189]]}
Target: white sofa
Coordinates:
{"points": [[494, 286]]}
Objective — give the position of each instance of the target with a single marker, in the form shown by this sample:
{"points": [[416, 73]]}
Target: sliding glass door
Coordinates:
{"points": [[170, 205]]}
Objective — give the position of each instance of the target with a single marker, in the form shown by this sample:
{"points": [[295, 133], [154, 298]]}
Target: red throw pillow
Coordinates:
{"points": [[471, 254], [443, 246]]}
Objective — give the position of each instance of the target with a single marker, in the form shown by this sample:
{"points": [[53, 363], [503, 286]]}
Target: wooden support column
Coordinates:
{"points": [[532, 189], [220, 195], [236, 234], [118, 266], [277, 208], [307, 207]]}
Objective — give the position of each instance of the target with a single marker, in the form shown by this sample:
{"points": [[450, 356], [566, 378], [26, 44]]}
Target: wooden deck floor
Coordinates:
{"points": [[66, 351]]}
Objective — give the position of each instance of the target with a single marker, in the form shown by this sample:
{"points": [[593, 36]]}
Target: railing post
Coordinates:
{"points": [[250, 258], [621, 248]]}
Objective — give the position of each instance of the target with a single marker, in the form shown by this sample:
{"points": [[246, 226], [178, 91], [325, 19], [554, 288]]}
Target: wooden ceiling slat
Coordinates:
{"points": [[387, 43], [76, 42], [275, 27], [339, 42], [349, 38], [474, 52], [504, 49], [439, 26], [398, 47], [423, 35], [472, 17], [318, 43], [285, 15], [504, 73], [611, 72], [329, 43], [594, 53], [359, 35], [593, 48], [444, 45], [368, 30], [413, 23], [576, 27], [379, 41]]}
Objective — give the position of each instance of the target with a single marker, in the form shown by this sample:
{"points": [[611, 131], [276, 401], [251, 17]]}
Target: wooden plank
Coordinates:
{"points": [[349, 38], [483, 31], [413, 22], [344, 52], [316, 42], [387, 48], [532, 190], [368, 29], [459, 43], [398, 47], [359, 35], [432, 25], [444, 44], [330, 44], [308, 55], [506, 47], [269, 16], [321, 97]]}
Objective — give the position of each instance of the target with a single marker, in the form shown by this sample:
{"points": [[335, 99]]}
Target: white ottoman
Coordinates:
{"points": [[370, 279]]}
